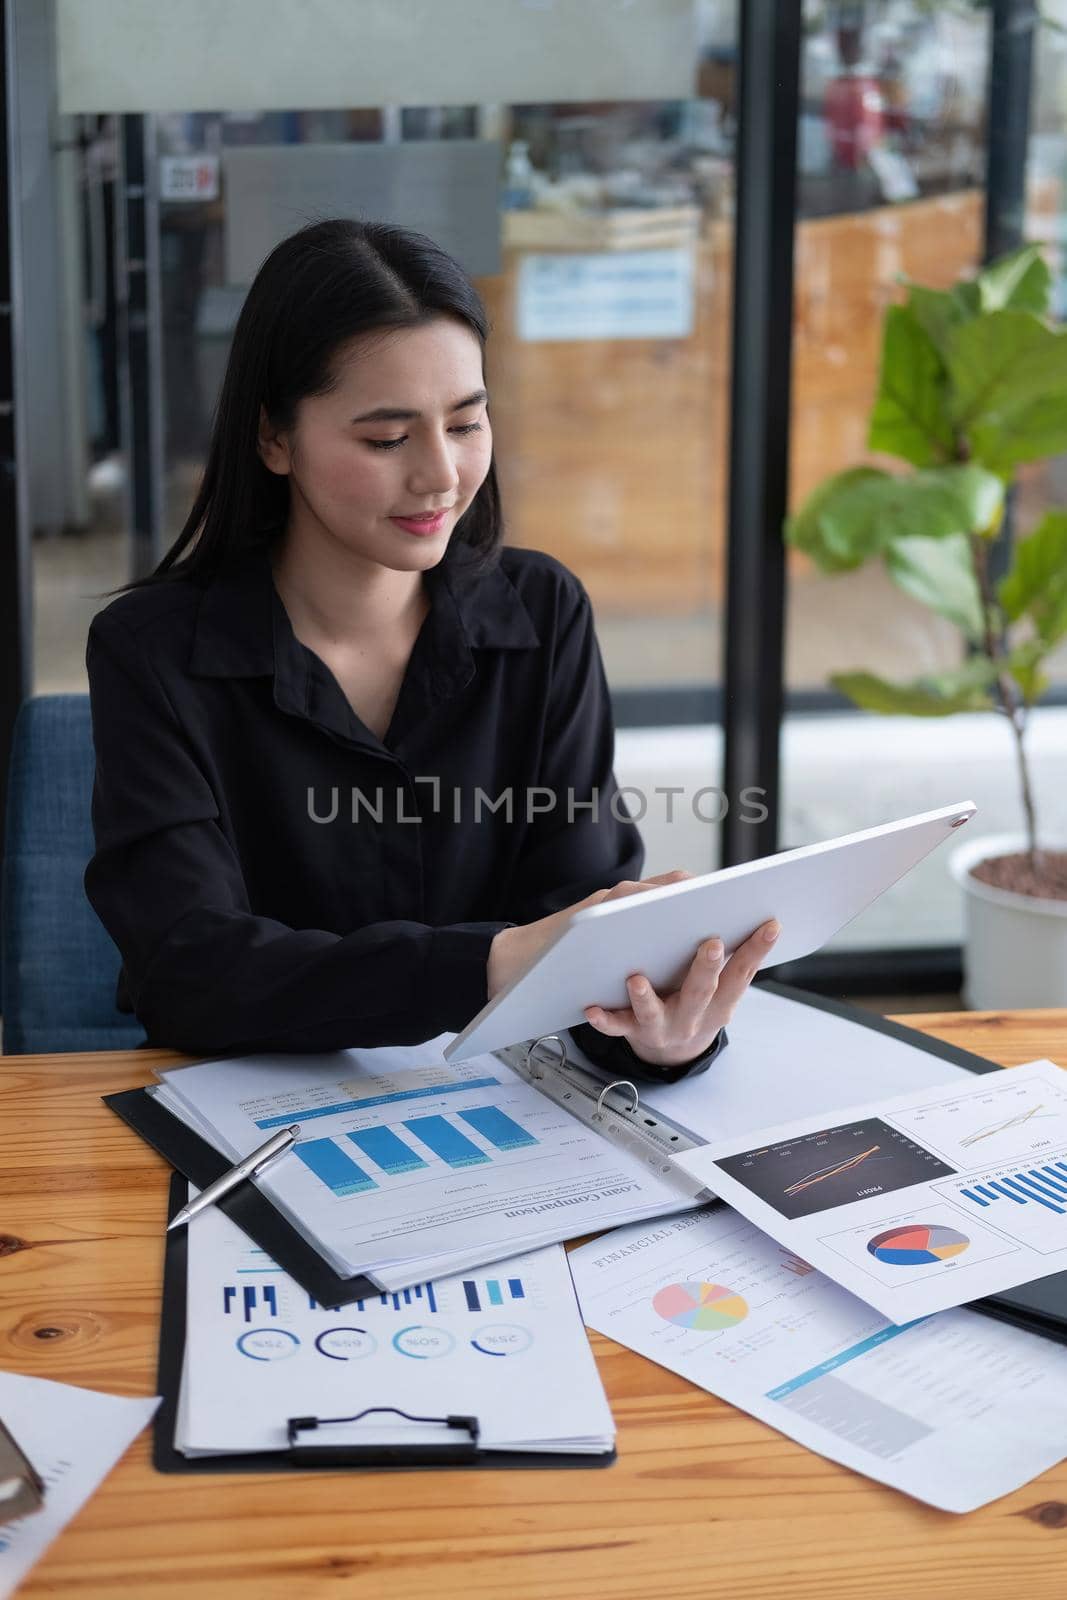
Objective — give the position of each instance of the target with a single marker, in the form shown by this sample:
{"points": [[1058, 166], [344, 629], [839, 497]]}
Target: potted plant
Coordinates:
{"points": [[973, 383]]}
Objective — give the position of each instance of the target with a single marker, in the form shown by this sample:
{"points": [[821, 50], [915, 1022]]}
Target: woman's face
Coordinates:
{"points": [[404, 432]]}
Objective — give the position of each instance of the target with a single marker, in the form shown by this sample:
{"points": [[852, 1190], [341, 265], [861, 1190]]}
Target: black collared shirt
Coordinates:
{"points": [[276, 877]]}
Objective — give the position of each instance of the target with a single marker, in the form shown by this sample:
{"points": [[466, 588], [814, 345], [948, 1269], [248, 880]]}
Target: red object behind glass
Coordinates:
{"points": [[855, 116]]}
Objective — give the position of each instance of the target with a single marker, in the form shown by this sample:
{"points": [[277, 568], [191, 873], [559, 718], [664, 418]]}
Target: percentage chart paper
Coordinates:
{"points": [[506, 1345], [955, 1409], [916, 1203]]}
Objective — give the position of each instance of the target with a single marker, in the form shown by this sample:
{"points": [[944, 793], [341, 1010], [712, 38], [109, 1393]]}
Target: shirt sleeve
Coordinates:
{"points": [[588, 840], [618, 1058], [204, 973]]}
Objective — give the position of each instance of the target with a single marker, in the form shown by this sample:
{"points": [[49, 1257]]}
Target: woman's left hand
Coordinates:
{"points": [[665, 1030]]}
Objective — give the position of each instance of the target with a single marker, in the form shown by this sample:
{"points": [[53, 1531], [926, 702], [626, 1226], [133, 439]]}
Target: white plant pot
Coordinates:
{"points": [[1015, 946]]}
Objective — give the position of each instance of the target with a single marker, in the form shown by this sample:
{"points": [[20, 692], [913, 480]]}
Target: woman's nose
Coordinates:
{"points": [[433, 469]]}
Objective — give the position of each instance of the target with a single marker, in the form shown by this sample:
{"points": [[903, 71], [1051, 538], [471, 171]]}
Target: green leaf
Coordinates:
{"points": [[978, 494], [909, 418], [967, 297], [940, 574], [859, 513], [1036, 586], [939, 695], [936, 311], [822, 525], [1030, 434], [1000, 364], [1024, 664], [1019, 282]]}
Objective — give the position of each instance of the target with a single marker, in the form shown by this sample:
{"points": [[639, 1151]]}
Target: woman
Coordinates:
{"points": [[354, 757]]}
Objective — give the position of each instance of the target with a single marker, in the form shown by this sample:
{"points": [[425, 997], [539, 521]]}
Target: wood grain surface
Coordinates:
{"points": [[703, 1501]]}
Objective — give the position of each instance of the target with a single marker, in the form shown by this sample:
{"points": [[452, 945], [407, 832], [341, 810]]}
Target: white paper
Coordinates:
{"points": [[506, 1346], [73, 1437], [407, 1166], [786, 1059], [915, 1203], [954, 1409]]}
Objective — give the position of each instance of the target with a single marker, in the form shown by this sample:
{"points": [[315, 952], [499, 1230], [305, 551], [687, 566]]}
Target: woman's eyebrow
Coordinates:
{"points": [[396, 414]]}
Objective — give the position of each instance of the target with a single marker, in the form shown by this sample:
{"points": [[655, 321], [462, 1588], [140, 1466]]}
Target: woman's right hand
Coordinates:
{"points": [[513, 949]]}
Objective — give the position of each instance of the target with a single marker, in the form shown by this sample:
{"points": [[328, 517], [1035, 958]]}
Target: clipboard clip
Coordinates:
{"points": [[380, 1454]]}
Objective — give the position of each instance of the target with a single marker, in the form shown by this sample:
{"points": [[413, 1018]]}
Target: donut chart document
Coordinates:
{"points": [[916, 1203], [955, 1409]]}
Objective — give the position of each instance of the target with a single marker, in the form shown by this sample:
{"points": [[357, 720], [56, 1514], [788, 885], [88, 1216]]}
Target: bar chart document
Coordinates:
{"points": [[916, 1203], [407, 1167], [953, 1409]]}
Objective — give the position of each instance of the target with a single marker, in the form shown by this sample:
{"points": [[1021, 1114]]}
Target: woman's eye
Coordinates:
{"points": [[393, 444]]}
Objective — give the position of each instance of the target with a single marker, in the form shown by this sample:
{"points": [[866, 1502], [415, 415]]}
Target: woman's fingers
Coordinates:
{"points": [[645, 1003], [700, 985], [745, 963], [710, 978], [635, 885], [615, 1023]]}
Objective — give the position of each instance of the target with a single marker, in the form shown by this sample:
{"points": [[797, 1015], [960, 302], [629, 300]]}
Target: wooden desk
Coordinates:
{"points": [[703, 1500]]}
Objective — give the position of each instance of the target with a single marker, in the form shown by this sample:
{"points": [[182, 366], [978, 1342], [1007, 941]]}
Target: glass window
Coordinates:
{"points": [[1044, 484], [891, 154], [610, 300]]}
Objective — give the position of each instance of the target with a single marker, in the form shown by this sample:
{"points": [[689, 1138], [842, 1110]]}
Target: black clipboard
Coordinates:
{"points": [[301, 1455], [1041, 1306], [253, 1213]]}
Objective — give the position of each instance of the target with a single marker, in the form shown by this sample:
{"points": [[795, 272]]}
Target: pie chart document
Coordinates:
{"points": [[955, 1409], [918, 1202]]}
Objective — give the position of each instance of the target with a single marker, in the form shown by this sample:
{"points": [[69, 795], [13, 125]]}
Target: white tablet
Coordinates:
{"points": [[813, 892]]}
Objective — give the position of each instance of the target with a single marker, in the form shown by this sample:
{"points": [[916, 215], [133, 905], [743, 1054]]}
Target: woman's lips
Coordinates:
{"points": [[424, 525]]}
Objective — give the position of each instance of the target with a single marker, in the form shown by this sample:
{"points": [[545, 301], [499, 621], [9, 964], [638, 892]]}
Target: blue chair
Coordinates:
{"points": [[59, 963]]}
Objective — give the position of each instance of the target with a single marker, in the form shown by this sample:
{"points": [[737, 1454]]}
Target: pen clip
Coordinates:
{"points": [[292, 1131]]}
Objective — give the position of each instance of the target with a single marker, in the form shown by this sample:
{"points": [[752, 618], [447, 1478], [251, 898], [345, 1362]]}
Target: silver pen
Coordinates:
{"points": [[247, 1168]]}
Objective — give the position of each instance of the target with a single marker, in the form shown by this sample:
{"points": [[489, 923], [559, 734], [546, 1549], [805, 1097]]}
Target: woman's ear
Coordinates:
{"points": [[272, 446]]}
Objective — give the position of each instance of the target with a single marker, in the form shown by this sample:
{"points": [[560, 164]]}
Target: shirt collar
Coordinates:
{"points": [[236, 626]]}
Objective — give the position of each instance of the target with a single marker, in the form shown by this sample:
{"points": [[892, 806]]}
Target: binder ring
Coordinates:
{"points": [[563, 1057], [620, 1083]]}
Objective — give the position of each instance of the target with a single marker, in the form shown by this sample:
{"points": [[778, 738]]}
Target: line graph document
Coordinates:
{"points": [[916, 1203], [954, 1409]]}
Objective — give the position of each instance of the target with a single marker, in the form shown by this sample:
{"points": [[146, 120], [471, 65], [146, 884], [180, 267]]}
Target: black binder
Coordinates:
{"points": [[302, 1454]]}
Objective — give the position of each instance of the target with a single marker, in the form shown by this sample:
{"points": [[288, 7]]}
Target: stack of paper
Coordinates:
{"points": [[407, 1167], [508, 1347]]}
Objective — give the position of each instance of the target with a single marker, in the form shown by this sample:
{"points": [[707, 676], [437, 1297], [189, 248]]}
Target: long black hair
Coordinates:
{"points": [[319, 288]]}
